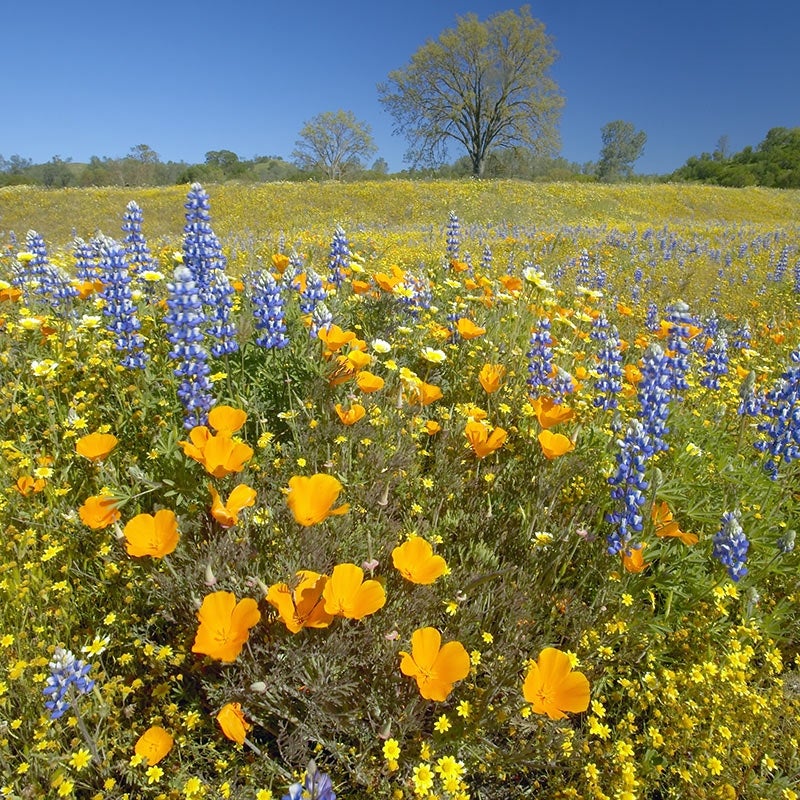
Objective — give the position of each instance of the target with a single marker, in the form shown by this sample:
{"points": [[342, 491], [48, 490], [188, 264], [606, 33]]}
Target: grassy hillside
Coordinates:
{"points": [[266, 210]]}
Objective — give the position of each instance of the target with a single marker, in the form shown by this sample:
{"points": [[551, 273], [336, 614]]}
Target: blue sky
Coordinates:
{"points": [[96, 78]]}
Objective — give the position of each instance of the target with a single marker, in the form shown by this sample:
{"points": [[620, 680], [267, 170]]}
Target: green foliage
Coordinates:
{"points": [[622, 146], [335, 143], [775, 162], [483, 86]]}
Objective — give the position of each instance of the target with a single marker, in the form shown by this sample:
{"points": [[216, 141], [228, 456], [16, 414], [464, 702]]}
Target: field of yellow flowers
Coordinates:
{"points": [[400, 490]]}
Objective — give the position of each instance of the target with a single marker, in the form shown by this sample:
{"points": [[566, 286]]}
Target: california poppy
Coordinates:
{"points": [[633, 558], [301, 607], [348, 365], [335, 338], [351, 415], [435, 668], [96, 446], [311, 499], [347, 594], [280, 261], [368, 382], [555, 444], [153, 745], [224, 625], [152, 535], [218, 453], [227, 514], [415, 561], [26, 485], [552, 688], [232, 721], [99, 511], [481, 441], [432, 427], [467, 329], [549, 413], [225, 419], [491, 377], [667, 527]]}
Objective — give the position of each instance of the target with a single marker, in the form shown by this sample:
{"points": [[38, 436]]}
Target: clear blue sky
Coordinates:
{"points": [[93, 77]]}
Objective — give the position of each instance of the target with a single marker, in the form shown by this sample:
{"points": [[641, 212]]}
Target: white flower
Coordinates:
{"points": [[433, 356], [380, 346], [42, 368]]}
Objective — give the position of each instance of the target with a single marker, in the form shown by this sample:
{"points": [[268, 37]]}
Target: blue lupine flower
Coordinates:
{"points": [[37, 277], [540, 358], [742, 336], [654, 397], [716, 363], [797, 277], [561, 384], [628, 487], [312, 294], [782, 428], [268, 310], [316, 786], [321, 319], [68, 680], [85, 254], [118, 305], [221, 328], [582, 276], [414, 295], [652, 321], [136, 248], [751, 402], [609, 359], [730, 545], [781, 265], [185, 318], [453, 237], [677, 343], [202, 253], [340, 256], [486, 259]]}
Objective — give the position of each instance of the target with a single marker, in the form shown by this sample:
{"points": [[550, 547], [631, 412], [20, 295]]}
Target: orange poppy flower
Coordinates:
{"points": [[467, 329], [224, 419], [415, 561], [352, 414], [632, 373], [227, 514], [301, 607], [552, 688], [432, 427], [368, 382], [347, 594], [435, 668], [99, 511], [335, 338], [481, 441], [348, 365], [152, 535], [153, 745], [633, 558], [458, 266], [555, 444], [549, 413], [424, 394], [96, 446], [311, 499], [224, 625], [10, 293], [626, 311], [232, 721], [511, 283], [26, 485], [218, 453], [491, 377], [280, 262], [360, 287], [388, 282], [666, 526]]}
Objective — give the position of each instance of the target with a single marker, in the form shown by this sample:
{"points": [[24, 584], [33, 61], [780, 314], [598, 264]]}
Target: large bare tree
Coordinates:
{"points": [[483, 85]]}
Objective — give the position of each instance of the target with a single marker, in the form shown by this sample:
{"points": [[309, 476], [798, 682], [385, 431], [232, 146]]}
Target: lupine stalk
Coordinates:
{"points": [[730, 545]]}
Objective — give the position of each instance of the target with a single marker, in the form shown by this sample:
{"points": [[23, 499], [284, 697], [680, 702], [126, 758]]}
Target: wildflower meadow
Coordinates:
{"points": [[434, 490]]}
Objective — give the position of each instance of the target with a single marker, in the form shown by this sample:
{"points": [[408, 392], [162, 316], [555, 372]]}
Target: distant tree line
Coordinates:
{"points": [[773, 163]]}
